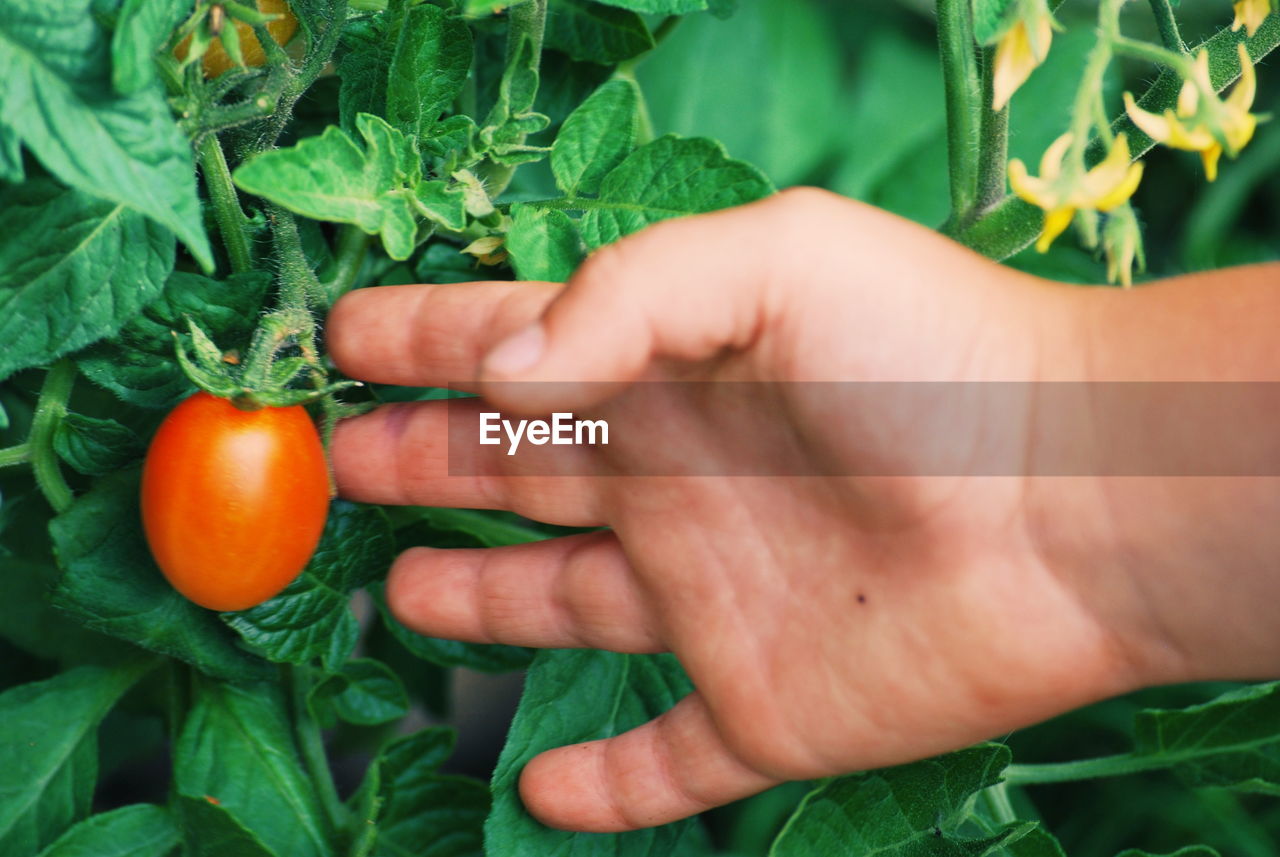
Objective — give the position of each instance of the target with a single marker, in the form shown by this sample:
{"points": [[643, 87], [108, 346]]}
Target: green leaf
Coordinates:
{"points": [[365, 692], [574, 695], [139, 366], [767, 83], [543, 243], [991, 18], [94, 446], [592, 32], [428, 67], [143, 28], [28, 621], [900, 812], [596, 137], [881, 137], [49, 752], [111, 584], [1231, 741], [312, 617], [452, 653], [442, 263], [11, 169], [1189, 851], [421, 811], [80, 269], [512, 119], [1037, 842], [441, 204], [236, 746], [670, 177], [209, 830], [331, 178], [56, 66], [141, 830], [659, 7]]}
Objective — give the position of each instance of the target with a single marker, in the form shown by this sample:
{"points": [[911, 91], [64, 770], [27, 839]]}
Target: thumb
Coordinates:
{"points": [[685, 289]]}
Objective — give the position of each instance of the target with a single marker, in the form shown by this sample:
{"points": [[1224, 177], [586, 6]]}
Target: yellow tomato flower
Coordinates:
{"points": [[1023, 47], [1109, 184], [1188, 127], [1250, 15]]}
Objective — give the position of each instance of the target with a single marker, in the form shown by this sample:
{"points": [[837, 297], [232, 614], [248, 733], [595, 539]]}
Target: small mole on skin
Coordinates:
{"points": [[862, 599]]}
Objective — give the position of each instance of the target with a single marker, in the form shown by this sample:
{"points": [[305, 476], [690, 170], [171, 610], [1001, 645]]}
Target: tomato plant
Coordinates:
{"points": [[170, 226], [233, 501]]}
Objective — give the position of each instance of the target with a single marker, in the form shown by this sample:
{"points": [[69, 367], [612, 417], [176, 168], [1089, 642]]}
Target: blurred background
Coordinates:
{"points": [[847, 95]]}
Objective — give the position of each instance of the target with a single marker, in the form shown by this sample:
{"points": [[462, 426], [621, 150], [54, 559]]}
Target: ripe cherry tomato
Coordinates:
{"points": [[215, 59], [233, 501]]}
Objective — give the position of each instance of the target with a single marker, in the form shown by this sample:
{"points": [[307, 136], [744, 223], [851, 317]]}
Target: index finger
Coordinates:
{"points": [[429, 335]]}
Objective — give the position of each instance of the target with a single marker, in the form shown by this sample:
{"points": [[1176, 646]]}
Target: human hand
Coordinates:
{"points": [[828, 624]]}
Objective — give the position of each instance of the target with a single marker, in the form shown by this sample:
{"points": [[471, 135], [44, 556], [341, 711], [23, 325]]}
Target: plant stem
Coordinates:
{"points": [[319, 52], [964, 104], [348, 257], [12, 456], [1120, 765], [993, 144], [311, 747], [226, 204], [1167, 23], [51, 407], [1152, 53], [528, 20], [997, 800]]}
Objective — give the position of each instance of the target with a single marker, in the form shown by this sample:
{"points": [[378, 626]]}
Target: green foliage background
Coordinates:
{"points": [[105, 250]]}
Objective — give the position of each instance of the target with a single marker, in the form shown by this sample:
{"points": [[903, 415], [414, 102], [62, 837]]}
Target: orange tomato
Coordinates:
{"points": [[215, 59], [233, 501]]}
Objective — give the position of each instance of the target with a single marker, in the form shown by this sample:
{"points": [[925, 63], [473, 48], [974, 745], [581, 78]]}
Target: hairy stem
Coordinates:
{"points": [[318, 55], [347, 259], [311, 747], [993, 143], [964, 104], [50, 409], [232, 223], [11, 456], [1167, 23], [1120, 765]]}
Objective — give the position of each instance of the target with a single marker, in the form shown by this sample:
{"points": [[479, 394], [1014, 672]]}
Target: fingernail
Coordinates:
{"points": [[518, 352]]}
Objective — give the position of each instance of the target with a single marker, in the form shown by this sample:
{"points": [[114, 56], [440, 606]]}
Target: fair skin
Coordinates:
{"points": [[828, 624]]}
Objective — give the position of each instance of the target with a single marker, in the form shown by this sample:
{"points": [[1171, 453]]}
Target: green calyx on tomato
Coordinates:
{"points": [[234, 501], [266, 375]]}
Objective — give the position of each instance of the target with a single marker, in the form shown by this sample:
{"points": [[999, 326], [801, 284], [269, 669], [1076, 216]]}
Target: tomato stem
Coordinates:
{"points": [[226, 204], [12, 456], [1119, 765], [964, 104], [993, 151], [311, 746], [1167, 23], [348, 257], [51, 407], [998, 804]]}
